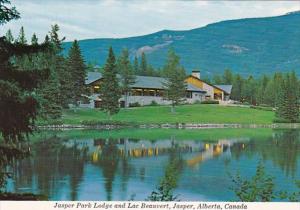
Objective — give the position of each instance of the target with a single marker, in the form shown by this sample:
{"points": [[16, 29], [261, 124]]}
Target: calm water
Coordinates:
{"points": [[122, 169]]}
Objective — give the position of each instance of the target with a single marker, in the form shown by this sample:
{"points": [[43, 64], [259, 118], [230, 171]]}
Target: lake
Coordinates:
{"points": [[65, 166]]}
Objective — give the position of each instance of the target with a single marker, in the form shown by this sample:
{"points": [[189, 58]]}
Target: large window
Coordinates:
{"points": [[189, 94]]}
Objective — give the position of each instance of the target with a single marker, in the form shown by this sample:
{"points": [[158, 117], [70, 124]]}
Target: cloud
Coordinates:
{"points": [[114, 19]]}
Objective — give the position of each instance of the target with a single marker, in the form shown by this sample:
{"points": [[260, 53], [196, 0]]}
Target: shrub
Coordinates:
{"points": [[265, 108], [197, 102], [261, 188], [281, 120], [210, 102], [135, 104], [153, 103]]}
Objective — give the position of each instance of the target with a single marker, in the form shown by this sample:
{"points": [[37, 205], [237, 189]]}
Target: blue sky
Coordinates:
{"points": [[83, 19]]}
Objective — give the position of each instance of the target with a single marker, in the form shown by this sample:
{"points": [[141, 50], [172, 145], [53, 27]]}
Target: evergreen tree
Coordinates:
{"points": [[110, 91], [34, 39], [49, 98], [58, 65], [261, 88], [21, 38], [238, 83], [288, 102], [217, 79], [249, 90], [136, 66], [144, 65], [18, 105], [127, 75], [49, 91], [9, 36], [77, 71], [227, 77], [175, 85]]}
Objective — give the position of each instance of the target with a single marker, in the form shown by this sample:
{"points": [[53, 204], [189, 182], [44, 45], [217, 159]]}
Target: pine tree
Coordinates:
{"points": [[288, 102], [217, 79], [9, 37], [49, 98], [110, 91], [21, 38], [249, 90], [58, 64], [144, 65], [175, 86], [127, 74], [136, 66], [77, 71], [238, 83], [34, 39], [227, 77], [18, 105]]}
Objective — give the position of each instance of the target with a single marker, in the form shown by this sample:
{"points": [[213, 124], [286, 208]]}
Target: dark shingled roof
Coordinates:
{"points": [[142, 82]]}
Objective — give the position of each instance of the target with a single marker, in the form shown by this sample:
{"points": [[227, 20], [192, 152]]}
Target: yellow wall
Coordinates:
{"points": [[217, 91], [197, 83]]}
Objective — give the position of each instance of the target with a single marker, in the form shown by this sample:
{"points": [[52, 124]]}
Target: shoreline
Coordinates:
{"points": [[169, 125]]}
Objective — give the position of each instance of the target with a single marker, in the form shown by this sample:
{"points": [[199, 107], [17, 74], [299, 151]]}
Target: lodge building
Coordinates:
{"points": [[147, 90]]}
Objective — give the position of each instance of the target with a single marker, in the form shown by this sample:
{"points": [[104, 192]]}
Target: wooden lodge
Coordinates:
{"points": [[147, 90]]}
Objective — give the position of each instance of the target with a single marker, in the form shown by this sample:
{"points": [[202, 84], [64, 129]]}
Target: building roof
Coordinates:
{"points": [[226, 88], [142, 82], [92, 77]]}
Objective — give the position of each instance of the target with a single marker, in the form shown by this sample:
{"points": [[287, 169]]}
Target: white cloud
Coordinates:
{"points": [[111, 18]]}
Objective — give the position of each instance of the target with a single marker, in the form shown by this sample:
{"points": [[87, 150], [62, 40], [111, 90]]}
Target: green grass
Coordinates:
{"points": [[202, 113], [156, 134]]}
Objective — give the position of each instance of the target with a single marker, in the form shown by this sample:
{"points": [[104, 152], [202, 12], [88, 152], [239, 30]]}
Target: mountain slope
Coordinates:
{"points": [[248, 46]]}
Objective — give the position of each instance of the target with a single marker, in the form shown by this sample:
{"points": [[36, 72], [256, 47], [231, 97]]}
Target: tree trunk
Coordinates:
{"points": [[173, 108], [109, 115], [126, 100]]}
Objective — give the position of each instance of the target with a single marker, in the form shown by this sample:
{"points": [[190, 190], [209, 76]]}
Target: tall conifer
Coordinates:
{"points": [[9, 37], [175, 86], [110, 91], [77, 71], [126, 73]]}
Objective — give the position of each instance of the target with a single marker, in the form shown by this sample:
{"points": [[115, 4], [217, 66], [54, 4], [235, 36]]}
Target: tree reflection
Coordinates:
{"points": [[52, 164], [108, 161], [282, 148], [165, 189]]}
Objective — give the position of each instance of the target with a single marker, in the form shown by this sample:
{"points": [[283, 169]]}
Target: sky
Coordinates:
{"points": [[84, 19]]}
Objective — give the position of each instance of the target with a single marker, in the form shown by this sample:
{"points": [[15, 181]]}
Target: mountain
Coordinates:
{"points": [[248, 46]]}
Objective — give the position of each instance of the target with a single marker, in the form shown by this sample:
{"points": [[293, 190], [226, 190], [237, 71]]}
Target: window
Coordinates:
{"points": [[189, 94]]}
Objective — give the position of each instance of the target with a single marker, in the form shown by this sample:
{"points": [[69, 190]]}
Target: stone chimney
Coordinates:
{"points": [[196, 73]]}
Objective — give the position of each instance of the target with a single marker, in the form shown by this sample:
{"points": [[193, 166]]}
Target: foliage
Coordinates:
{"points": [[18, 104], [153, 103], [175, 86], [135, 104], [127, 77], [144, 65], [288, 99], [7, 13], [260, 188], [164, 192], [77, 71], [110, 91], [210, 102]]}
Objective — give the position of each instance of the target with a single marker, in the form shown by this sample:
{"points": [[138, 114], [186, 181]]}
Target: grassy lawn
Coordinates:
{"points": [[202, 113], [156, 134]]}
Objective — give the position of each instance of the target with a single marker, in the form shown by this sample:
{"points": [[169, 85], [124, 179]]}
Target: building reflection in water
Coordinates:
{"points": [[111, 168]]}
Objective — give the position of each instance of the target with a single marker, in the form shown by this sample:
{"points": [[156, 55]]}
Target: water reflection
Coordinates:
{"points": [[118, 169]]}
